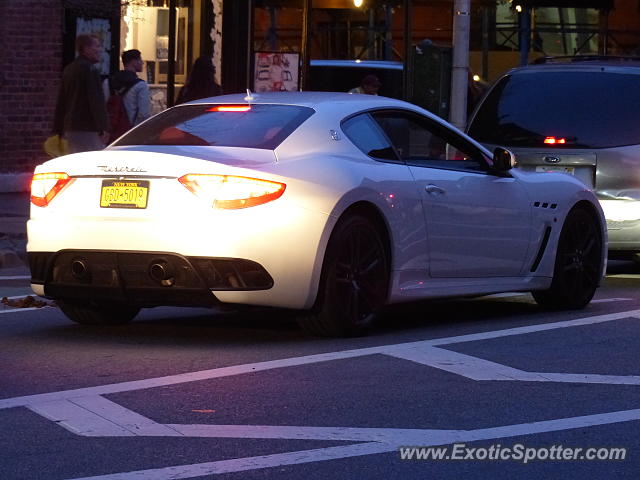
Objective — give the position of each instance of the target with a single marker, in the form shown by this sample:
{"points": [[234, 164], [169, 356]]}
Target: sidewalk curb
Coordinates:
{"points": [[15, 182]]}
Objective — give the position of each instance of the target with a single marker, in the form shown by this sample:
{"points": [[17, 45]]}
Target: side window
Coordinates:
{"points": [[365, 133], [420, 141]]}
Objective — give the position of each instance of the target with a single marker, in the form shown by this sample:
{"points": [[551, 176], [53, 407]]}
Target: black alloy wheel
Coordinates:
{"points": [[578, 264], [354, 283]]}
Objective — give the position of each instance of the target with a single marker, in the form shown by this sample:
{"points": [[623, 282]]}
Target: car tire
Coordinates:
{"points": [[98, 314], [354, 282], [578, 263]]}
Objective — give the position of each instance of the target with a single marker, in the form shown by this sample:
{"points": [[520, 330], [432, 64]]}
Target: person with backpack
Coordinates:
{"points": [[129, 102], [80, 116]]}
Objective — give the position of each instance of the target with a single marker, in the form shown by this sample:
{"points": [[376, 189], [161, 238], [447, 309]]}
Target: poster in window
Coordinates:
{"points": [[151, 71], [275, 72]]}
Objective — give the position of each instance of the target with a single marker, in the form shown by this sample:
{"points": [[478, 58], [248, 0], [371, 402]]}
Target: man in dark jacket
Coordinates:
{"points": [[81, 113]]}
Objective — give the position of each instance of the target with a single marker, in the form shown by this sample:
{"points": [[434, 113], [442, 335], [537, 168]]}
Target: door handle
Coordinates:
{"points": [[434, 190]]}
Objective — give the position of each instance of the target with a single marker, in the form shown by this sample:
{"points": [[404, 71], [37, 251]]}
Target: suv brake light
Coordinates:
{"points": [[554, 140], [45, 186], [231, 192]]}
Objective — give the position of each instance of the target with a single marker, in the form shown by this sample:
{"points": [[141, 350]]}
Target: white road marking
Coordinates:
{"points": [[417, 437], [78, 420], [185, 377], [15, 277], [607, 300], [7, 309], [589, 378], [248, 463], [306, 360], [85, 412], [132, 421], [463, 365], [534, 328], [479, 369], [96, 416], [14, 310], [28, 295], [385, 435], [398, 437]]}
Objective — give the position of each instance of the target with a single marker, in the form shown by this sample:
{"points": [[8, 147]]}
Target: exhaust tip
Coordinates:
{"points": [[79, 269], [162, 272]]}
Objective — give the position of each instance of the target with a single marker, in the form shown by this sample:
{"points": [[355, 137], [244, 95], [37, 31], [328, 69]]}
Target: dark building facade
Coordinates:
{"points": [[37, 39]]}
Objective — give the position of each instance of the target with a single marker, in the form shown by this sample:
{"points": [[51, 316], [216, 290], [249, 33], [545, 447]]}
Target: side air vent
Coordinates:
{"points": [[543, 247], [552, 206]]}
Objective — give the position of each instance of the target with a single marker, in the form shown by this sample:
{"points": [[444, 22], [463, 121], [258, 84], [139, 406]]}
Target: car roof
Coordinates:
{"points": [[582, 63], [326, 103], [379, 64]]}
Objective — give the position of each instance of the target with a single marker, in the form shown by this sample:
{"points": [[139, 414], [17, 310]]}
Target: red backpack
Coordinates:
{"points": [[118, 119]]}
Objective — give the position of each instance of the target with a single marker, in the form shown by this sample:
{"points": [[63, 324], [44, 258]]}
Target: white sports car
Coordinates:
{"points": [[327, 203]]}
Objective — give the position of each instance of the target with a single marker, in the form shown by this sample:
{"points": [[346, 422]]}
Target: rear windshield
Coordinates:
{"points": [[567, 109], [261, 126]]}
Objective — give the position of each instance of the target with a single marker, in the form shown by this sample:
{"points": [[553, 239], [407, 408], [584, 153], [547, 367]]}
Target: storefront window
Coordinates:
{"points": [[146, 28], [148, 31]]}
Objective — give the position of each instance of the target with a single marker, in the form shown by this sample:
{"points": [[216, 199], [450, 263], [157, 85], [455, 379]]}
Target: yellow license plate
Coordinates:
{"points": [[124, 193]]}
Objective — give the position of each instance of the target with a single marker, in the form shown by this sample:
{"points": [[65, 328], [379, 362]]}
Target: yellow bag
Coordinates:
{"points": [[55, 146]]}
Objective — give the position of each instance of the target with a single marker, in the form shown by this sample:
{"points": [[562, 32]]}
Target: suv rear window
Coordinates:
{"points": [[586, 109], [259, 126]]}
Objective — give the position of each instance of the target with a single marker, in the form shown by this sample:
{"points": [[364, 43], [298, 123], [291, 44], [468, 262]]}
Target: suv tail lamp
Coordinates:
{"points": [[231, 192], [45, 186], [554, 141]]}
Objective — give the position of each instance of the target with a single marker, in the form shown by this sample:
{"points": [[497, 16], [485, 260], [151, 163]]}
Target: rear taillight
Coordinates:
{"points": [[45, 186], [232, 192]]}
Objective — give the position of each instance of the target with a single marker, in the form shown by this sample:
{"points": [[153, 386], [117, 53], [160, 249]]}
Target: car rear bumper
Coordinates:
{"points": [[143, 278], [287, 241]]}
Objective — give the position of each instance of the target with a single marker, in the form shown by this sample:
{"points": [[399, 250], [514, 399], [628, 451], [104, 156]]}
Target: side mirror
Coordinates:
{"points": [[503, 160]]}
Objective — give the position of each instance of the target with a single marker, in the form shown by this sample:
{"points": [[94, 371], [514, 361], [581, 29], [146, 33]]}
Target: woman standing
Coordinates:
{"points": [[201, 82]]}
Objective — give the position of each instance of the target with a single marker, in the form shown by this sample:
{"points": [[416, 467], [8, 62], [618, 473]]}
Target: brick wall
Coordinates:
{"points": [[31, 62], [31, 52]]}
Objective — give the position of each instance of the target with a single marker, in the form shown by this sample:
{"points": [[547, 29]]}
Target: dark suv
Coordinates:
{"points": [[581, 117]]}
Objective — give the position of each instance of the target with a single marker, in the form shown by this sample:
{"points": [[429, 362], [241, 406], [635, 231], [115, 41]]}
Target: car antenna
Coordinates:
{"points": [[249, 96]]}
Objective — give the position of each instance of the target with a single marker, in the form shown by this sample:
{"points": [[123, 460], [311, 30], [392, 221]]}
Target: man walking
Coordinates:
{"points": [[81, 113], [134, 90]]}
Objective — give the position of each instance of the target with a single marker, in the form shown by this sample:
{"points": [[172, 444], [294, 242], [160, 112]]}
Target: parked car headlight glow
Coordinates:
{"points": [[621, 210]]}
